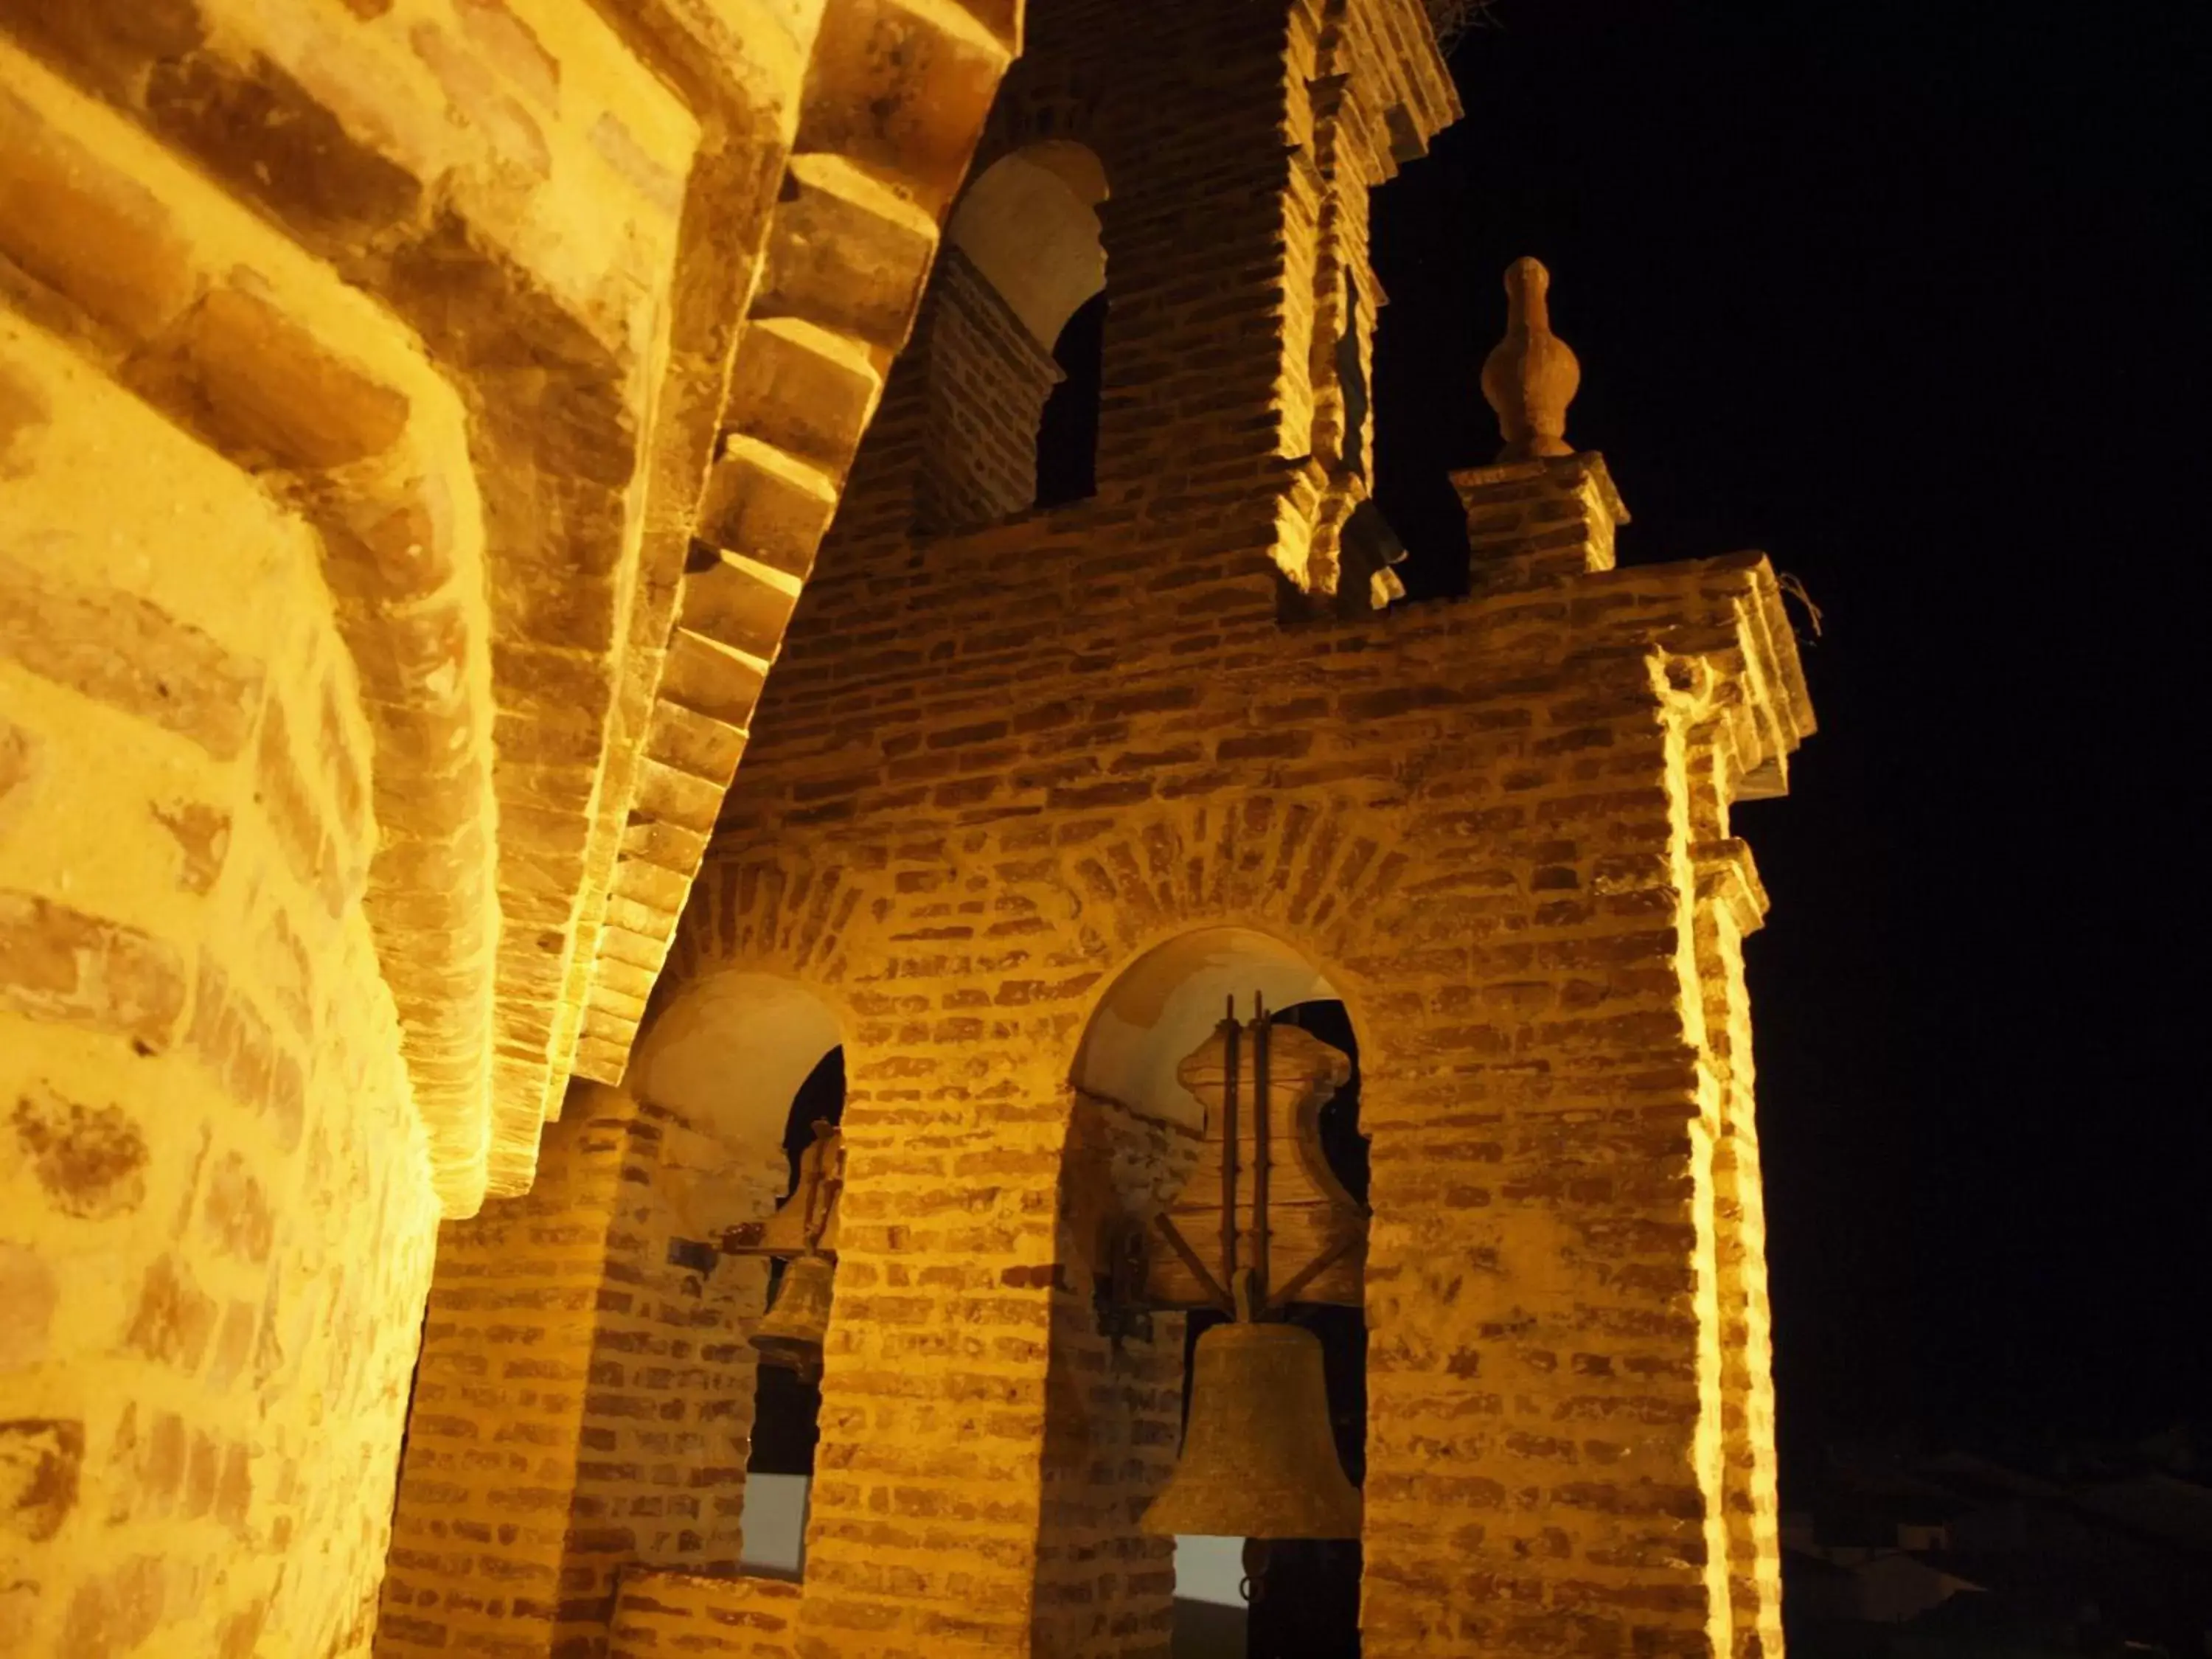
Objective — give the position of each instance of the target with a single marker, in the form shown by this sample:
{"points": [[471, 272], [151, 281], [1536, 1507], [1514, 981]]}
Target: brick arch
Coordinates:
{"points": [[1113, 1404], [1028, 224], [856, 921], [1306, 869], [733, 1025], [772, 913], [1041, 102]]}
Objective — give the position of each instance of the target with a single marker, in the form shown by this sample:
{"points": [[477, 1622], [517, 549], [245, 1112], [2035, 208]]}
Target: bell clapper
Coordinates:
{"points": [[1253, 1584]]}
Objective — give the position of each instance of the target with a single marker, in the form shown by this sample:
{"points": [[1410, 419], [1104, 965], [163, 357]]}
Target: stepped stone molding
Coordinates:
{"points": [[896, 96]]}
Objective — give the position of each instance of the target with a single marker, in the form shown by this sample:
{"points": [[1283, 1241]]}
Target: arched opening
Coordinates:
{"points": [[1067, 431], [750, 1062], [788, 1407], [1015, 341], [1130, 1078]]}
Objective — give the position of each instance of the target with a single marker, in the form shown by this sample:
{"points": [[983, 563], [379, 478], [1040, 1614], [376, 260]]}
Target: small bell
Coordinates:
{"points": [[1258, 1460], [807, 1219], [790, 1333]]}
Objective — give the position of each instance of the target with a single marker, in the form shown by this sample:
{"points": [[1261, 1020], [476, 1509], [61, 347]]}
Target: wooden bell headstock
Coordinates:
{"points": [[1261, 1198]]}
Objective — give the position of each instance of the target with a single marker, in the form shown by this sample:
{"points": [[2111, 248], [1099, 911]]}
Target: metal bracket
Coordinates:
{"points": [[1119, 1284]]}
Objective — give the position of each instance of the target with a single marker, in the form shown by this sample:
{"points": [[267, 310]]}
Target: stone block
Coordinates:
{"points": [[712, 680], [802, 389], [126, 652], [669, 845], [87, 231], [766, 506], [649, 884], [263, 389], [60, 964], [846, 253], [738, 604], [903, 87], [40, 1458]]}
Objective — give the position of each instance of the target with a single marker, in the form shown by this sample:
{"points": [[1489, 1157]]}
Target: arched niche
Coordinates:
{"points": [[730, 1053], [743, 1060], [1014, 342], [1165, 1004], [1030, 225], [1115, 1406]]}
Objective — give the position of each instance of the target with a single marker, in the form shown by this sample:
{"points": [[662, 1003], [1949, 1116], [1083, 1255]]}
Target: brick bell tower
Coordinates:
{"points": [[1029, 781]]}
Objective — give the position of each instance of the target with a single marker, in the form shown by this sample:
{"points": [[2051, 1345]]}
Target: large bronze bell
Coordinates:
{"points": [[790, 1333], [1258, 1460]]}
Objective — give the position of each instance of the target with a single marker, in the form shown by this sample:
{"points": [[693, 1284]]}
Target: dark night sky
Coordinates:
{"points": [[1904, 296]]}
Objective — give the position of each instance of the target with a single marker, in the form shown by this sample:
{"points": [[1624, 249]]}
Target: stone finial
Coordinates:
{"points": [[1531, 376]]}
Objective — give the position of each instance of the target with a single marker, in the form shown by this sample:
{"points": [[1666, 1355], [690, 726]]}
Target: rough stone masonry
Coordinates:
{"points": [[366, 696]]}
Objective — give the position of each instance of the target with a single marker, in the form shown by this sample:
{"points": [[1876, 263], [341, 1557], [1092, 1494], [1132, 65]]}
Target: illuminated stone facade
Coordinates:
{"points": [[417, 420], [365, 696]]}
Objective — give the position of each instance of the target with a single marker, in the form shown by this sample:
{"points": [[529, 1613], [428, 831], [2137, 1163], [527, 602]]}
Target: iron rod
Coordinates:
{"points": [[1262, 1114], [1173, 1234], [1313, 1269], [1230, 1032]]}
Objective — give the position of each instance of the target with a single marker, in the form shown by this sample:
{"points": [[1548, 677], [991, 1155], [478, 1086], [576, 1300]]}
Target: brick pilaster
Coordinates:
{"points": [[1532, 523]]}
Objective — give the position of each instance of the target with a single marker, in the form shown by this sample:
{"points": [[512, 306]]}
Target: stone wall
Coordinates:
{"points": [[1484, 821], [1114, 1405], [361, 365], [995, 768], [218, 1209], [495, 1440], [668, 1416], [671, 1613]]}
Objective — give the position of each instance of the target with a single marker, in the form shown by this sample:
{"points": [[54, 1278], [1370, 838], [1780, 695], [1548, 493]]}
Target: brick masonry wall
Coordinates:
{"points": [[1476, 818], [1113, 1415], [668, 1416], [583, 1404], [993, 769], [1188, 111], [671, 1613], [983, 382], [359, 368], [217, 1203], [494, 1436], [1737, 905]]}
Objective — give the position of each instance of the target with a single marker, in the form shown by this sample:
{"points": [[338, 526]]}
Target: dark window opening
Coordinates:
{"points": [[822, 1097], [1067, 433], [787, 1408]]}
